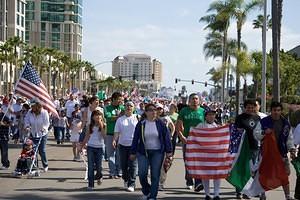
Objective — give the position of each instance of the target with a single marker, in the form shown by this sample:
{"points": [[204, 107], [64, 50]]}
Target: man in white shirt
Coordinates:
{"points": [[70, 107], [123, 135], [37, 123]]}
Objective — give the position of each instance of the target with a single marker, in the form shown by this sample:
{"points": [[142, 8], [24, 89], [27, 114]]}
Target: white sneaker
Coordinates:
{"points": [[130, 189], [189, 187], [45, 169], [125, 184]]}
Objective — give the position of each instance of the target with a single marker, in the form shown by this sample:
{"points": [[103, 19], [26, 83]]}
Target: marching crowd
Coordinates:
{"points": [[135, 136]]}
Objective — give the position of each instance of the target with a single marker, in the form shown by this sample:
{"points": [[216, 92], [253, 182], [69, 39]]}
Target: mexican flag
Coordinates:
{"points": [[240, 174], [271, 173]]}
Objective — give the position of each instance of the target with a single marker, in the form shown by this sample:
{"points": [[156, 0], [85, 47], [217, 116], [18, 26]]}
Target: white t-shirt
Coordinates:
{"points": [[15, 108], [151, 136], [296, 134], [70, 106], [125, 127]]}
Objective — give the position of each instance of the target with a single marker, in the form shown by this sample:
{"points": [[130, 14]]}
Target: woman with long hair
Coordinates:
{"points": [[94, 139]]}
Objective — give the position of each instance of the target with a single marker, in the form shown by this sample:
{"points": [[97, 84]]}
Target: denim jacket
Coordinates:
{"points": [[138, 142]]}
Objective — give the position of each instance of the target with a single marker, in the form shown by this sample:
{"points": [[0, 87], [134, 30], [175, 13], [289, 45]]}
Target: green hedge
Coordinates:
{"points": [[291, 99]]}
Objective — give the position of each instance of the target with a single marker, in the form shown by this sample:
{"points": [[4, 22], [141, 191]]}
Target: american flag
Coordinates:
{"points": [[210, 152], [30, 85]]}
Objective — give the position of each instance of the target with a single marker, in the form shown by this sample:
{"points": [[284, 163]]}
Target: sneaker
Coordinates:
{"points": [[161, 188], [144, 197], [45, 169], [4, 167], [246, 197], [99, 181], [263, 197], [207, 197], [116, 177], [89, 188], [216, 198], [239, 196], [125, 184], [130, 189], [198, 188], [189, 187]]}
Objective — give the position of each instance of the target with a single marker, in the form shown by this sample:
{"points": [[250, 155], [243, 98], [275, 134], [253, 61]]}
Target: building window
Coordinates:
{"points": [[29, 15], [18, 6], [27, 36], [67, 28], [30, 5], [23, 8], [55, 45], [22, 35], [43, 36], [56, 28], [55, 37], [22, 21], [18, 19], [18, 32], [43, 26]]}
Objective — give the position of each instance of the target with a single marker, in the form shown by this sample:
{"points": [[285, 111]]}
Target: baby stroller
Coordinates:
{"points": [[28, 161]]}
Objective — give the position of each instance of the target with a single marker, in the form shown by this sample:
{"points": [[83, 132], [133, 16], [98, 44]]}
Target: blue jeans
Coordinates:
{"points": [[113, 156], [154, 159], [42, 149], [128, 166], [188, 179], [4, 153], [94, 156], [59, 132]]}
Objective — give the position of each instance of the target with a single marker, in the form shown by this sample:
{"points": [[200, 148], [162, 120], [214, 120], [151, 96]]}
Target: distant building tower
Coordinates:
{"points": [[55, 24], [139, 67], [12, 19]]}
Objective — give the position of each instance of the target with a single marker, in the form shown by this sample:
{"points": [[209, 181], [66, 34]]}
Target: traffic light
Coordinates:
{"points": [[133, 76], [193, 81], [120, 78], [176, 80], [152, 75], [205, 84]]}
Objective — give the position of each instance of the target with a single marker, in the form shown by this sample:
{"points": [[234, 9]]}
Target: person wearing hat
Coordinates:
{"points": [[37, 123], [123, 135], [210, 122]]}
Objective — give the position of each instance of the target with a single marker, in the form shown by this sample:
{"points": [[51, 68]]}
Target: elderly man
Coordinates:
{"points": [[37, 123]]}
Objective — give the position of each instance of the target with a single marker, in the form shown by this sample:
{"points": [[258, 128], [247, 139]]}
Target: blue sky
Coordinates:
{"points": [[169, 31]]}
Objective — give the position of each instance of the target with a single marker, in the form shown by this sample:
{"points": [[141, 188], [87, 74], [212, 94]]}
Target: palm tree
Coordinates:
{"points": [[240, 14], [51, 54], [219, 20], [15, 43], [258, 23], [216, 77], [275, 49]]}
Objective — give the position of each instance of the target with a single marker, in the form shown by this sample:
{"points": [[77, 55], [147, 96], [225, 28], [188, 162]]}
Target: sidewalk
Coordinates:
{"points": [[64, 180]]}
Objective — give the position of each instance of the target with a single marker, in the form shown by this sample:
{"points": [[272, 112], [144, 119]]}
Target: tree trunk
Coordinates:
{"points": [[280, 6], [275, 51], [11, 77], [49, 75], [245, 89], [224, 59], [237, 80]]}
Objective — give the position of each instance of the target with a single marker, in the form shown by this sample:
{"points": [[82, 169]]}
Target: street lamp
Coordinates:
{"points": [[54, 71]]}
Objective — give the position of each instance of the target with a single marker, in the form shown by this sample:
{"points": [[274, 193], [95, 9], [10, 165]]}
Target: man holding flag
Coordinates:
{"points": [[277, 142]]}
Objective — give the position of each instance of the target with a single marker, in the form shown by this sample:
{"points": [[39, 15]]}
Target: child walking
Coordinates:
{"points": [[95, 142], [76, 130]]}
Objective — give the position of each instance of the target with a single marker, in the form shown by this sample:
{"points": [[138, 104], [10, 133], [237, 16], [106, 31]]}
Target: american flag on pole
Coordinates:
{"points": [[30, 85], [210, 152]]}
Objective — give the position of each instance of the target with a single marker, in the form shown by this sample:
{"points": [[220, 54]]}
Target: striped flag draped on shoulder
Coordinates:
{"points": [[207, 153], [30, 85]]}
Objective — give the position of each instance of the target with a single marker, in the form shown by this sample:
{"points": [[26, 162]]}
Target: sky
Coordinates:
{"points": [[168, 30]]}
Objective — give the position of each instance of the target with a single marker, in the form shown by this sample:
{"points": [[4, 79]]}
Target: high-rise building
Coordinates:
{"points": [[56, 24], [12, 19], [139, 67]]}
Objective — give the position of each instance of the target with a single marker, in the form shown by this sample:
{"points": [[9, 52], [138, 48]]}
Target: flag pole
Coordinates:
{"points": [[14, 90]]}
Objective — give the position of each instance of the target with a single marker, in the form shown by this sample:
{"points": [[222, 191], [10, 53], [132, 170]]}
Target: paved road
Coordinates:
{"points": [[64, 180]]}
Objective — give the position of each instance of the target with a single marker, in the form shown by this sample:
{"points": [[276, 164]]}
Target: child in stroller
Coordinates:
{"points": [[25, 159]]}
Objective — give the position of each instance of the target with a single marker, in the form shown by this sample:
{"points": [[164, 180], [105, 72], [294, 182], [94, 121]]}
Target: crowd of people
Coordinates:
{"points": [[135, 135]]}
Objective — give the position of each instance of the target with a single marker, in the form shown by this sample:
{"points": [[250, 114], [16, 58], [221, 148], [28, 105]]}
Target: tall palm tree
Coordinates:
{"points": [[6, 49], [258, 23], [240, 14], [275, 49], [51, 55], [219, 20], [15, 43]]}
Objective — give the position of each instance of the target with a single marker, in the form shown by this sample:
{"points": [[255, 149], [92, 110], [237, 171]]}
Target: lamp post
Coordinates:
{"points": [[54, 71]]}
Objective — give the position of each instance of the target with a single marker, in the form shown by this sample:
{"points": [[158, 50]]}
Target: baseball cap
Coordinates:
{"points": [[130, 103], [210, 110], [159, 105], [34, 101]]}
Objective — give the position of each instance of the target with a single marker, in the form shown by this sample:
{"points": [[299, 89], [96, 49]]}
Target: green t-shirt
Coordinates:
{"points": [[109, 113], [174, 117], [190, 118]]}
